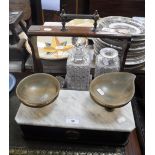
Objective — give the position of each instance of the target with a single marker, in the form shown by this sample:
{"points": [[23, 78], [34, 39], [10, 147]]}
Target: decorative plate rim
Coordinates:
{"points": [[13, 81]]}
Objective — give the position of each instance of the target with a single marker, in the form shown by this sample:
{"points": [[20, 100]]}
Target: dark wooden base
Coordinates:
{"points": [[84, 136]]}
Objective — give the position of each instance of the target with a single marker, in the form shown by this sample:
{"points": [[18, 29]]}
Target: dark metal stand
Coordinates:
{"points": [[64, 17]]}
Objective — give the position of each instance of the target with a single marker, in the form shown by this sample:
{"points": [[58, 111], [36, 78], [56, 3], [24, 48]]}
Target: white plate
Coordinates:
{"points": [[122, 25], [41, 43], [118, 42], [136, 62], [102, 43]]}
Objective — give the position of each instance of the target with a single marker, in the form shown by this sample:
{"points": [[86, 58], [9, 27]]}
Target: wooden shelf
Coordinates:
{"points": [[72, 31]]}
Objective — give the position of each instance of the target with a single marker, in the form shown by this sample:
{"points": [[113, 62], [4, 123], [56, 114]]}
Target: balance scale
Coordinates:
{"points": [[75, 117]]}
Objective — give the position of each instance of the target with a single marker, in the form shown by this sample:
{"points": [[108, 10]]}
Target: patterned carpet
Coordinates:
{"points": [[103, 151]]}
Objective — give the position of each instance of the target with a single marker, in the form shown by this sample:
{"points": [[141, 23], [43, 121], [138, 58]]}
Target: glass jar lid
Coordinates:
{"points": [[108, 53]]}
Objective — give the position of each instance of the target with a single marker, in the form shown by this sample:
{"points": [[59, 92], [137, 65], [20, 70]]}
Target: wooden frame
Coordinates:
{"points": [[40, 30]]}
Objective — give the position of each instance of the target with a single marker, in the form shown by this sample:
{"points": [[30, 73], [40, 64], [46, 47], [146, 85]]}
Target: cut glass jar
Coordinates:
{"points": [[107, 61], [78, 69]]}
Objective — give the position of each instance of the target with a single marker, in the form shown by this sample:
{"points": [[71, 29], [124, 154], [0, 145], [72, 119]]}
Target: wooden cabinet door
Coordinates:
{"points": [[127, 8]]}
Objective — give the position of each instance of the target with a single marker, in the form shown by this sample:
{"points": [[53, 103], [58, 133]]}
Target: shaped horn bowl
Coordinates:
{"points": [[117, 89], [38, 90]]}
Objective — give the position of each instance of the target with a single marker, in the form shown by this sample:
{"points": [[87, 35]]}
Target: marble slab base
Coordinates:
{"points": [[76, 109]]}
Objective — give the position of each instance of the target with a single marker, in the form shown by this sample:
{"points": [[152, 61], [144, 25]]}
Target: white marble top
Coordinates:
{"points": [[76, 109]]}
